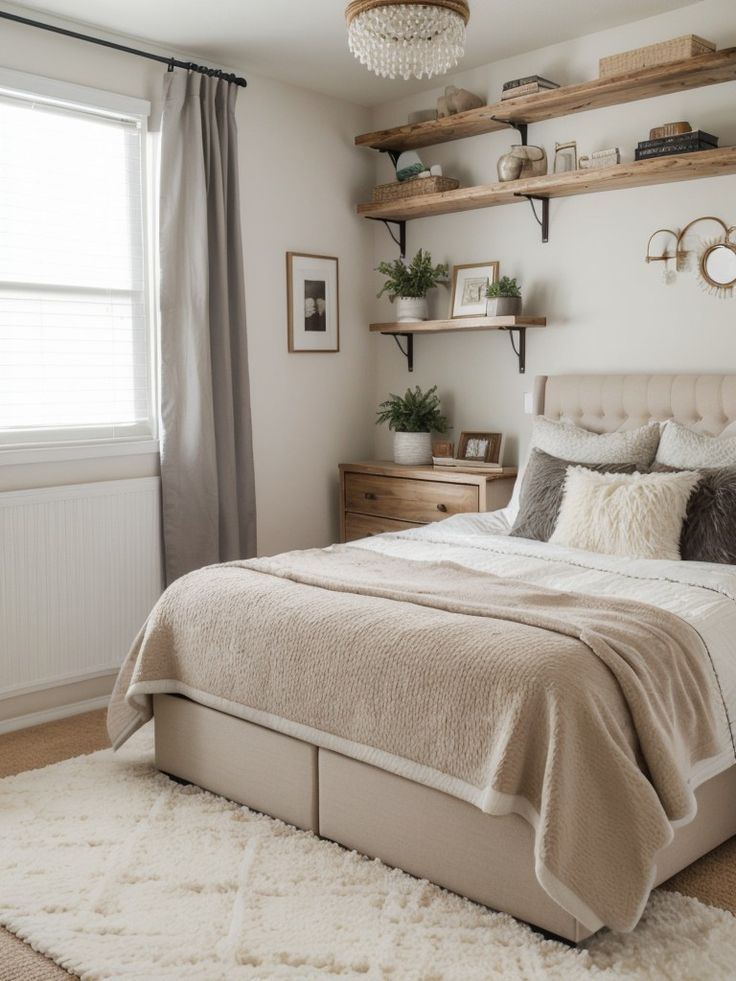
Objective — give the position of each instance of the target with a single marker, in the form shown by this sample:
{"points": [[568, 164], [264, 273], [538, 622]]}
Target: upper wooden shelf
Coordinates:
{"points": [[708, 69], [656, 170], [463, 323]]}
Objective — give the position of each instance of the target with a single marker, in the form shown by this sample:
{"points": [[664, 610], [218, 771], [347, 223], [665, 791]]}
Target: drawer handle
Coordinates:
{"points": [[370, 496], [441, 507]]}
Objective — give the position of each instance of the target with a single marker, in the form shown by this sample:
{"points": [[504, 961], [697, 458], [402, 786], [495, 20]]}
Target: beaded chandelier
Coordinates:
{"points": [[407, 37]]}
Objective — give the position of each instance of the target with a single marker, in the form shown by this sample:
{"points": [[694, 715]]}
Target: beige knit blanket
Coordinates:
{"points": [[583, 715]]}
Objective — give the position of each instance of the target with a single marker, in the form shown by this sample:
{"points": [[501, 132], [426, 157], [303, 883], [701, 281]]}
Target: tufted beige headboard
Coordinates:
{"points": [[605, 403]]}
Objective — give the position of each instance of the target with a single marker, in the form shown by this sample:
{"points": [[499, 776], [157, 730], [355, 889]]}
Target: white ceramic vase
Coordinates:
{"points": [[411, 309], [503, 306], [413, 449]]}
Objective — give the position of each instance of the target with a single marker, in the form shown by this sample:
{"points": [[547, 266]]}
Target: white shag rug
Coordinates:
{"points": [[115, 871]]}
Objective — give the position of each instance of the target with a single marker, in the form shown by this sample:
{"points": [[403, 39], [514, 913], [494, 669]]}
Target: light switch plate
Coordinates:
{"points": [[528, 404]]}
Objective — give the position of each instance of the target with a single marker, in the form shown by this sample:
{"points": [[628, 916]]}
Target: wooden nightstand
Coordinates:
{"points": [[378, 496]]}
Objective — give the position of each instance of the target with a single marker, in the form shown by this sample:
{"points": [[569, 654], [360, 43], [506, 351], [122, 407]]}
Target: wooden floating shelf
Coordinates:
{"points": [[708, 69], [641, 173], [463, 323]]}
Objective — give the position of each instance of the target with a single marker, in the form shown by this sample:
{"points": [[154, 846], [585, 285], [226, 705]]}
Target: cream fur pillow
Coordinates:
{"points": [[637, 515]]}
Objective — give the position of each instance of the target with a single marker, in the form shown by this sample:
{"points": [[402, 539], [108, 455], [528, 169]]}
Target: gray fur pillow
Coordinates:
{"points": [[542, 489], [709, 532]]}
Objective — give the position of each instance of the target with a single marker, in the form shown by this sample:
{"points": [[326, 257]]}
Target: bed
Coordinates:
{"points": [[425, 820]]}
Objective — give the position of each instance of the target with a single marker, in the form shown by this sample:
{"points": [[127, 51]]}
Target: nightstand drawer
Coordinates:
{"points": [[407, 499], [365, 525]]}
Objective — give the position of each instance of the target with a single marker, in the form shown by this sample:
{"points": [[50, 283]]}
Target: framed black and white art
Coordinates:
{"points": [[313, 302]]}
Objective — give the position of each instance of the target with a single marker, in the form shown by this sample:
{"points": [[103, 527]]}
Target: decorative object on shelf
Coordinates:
{"points": [[662, 53], [442, 449], [395, 39], [410, 284], [421, 116], [566, 157], [665, 146], [480, 448], [457, 100], [670, 129], [600, 158], [716, 256], [522, 161], [408, 165], [413, 417], [313, 302], [469, 284], [503, 298], [530, 85], [418, 186]]}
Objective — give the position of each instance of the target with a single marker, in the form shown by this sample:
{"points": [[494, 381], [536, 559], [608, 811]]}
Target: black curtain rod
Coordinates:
{"points": [[171, 62]]}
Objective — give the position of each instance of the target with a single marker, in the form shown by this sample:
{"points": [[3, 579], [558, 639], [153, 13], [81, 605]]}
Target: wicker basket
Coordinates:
{"points": [[416, 187], [678, 49]]}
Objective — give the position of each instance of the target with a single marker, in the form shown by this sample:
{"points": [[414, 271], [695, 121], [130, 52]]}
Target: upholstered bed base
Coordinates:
{"points": [[423, 831]]}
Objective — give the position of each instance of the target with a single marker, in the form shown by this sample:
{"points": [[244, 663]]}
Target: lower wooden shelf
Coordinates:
{"points": [[509, 324], [462, 323]]}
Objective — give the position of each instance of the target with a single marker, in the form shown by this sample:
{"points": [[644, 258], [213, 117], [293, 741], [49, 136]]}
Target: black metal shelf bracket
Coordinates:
{"points": [[409, 352], [522, 128], [400, 239], [543, 222], [520, 352], [394, 155]]}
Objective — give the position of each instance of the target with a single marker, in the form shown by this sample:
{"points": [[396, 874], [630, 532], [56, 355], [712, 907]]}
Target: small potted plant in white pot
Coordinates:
{"points": [[413, 419], [503, 299], [409, 285]]}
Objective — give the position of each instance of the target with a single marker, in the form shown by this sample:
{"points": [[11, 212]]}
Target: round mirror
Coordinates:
{"points": [[718, 265]]}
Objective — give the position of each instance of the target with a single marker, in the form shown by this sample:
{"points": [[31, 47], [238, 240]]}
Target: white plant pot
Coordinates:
{"points": [[411, 309], [413, 449], [503, 306]]}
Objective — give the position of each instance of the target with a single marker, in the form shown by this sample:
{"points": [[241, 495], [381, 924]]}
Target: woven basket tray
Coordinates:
{"points": [[397, 190], [678, 49]]}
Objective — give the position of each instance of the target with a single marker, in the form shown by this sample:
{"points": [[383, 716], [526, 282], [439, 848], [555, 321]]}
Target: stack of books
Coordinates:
{"points": [[681, 143], [529, 85]]}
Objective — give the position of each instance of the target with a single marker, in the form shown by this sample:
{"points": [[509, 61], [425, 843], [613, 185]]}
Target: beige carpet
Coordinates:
{"points": [[711, 880]]}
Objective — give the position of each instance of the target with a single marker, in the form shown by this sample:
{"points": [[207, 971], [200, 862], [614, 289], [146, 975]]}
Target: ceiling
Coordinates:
{"points": [[304, 41]]}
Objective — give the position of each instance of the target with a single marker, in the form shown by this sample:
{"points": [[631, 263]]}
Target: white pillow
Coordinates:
{"points": [[637, 515], [684, 448], [571, 442]]}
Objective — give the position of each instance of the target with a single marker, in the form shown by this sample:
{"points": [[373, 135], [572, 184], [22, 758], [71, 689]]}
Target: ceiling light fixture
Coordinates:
{"points": [[407, 37]]}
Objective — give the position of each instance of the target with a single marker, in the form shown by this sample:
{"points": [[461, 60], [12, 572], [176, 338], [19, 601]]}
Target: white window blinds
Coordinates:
{"points": [[75, 348]]}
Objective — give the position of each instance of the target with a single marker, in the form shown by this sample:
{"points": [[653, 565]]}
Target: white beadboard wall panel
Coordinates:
{"points": [[80, 569]]}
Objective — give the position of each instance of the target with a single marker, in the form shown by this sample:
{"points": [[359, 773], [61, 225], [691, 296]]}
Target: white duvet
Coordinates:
{"points": [[702, 593]]}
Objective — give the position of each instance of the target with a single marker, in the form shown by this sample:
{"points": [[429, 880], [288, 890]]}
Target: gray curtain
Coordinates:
{"points": [[206, 453]]}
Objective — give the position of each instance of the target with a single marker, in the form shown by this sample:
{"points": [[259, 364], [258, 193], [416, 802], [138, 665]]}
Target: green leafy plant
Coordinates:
{"points": [[504, 287], [416, 412], [414, 280]]}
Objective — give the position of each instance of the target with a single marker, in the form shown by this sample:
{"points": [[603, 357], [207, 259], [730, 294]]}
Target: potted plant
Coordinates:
{"points": [[503, 298], [410, 285], [413, 418]]}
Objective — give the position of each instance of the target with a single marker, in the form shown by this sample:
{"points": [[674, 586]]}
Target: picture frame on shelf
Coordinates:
{"points": [[313, 303], [469, 284], [480, 448]]}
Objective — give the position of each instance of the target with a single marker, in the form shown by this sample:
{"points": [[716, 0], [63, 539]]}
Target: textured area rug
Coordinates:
{"points": [[115, 871]]}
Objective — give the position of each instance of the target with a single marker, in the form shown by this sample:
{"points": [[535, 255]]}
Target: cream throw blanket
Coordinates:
{"points": [[583, 715]]}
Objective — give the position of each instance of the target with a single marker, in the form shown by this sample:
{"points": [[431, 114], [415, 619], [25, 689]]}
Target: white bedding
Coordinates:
{"points": [[702, 593]]}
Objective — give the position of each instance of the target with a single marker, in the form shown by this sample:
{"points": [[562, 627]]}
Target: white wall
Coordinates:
{"points": [[300, 177], [607, 309]]}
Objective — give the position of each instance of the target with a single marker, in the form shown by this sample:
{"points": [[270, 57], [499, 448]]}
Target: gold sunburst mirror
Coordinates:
{"points": [[718, 266]]}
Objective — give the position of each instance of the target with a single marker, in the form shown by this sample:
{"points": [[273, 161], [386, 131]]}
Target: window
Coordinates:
{"points": [[75, 344]]}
